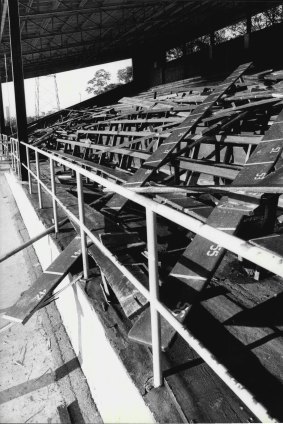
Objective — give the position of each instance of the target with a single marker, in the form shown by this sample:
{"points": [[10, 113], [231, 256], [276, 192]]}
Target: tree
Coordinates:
{"points": [[111, 86], [174, 53], [267, 18], [232, 31], [99, 83], [125, 75], [197, 44]]}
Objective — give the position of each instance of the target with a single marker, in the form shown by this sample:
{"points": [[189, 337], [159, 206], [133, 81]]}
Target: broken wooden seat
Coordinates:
{"points": [[31, 299], [161, 155], [200, 260], [271, 242], [118, 242], [184, 203]]}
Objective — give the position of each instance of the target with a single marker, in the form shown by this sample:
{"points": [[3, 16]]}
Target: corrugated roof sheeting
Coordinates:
{"points": [[59, 35]]}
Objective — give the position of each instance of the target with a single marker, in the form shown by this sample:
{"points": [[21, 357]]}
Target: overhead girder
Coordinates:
{"points": [[73, 27]]}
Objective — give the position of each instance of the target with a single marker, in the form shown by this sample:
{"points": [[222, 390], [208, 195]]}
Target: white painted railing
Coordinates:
{"points": [[5, 145], [261, 257]]}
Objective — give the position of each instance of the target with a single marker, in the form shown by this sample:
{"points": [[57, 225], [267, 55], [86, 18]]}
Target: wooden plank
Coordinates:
{"points": [[105, 170], [274, 178], [43, 287], [120, 133], [273, 242], [221, 139], [121, 241], [252, 105], [237, 140], [158, 158], [133, 122], [186, 204], [201, 258], [263, 94], [205, 167], [131, 300]]}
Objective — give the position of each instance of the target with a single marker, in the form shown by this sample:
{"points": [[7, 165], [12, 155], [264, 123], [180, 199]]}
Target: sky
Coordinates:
{"points": [[71, 88]]}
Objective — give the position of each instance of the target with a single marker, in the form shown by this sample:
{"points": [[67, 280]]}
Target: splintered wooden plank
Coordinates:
{"points": [[99, 224], [202, 167], [121, 241], [159, 157], [274, 178], [42, 288], [264, 94], [129, 297], [186, 204], [273, 242], [194, 270], [198, 263], [133, 122], [116, 174], [117, 132], [131, 300], [236, 109]]}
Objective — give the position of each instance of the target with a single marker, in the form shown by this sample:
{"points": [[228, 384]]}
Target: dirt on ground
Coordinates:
{"points": [[40, 377]]}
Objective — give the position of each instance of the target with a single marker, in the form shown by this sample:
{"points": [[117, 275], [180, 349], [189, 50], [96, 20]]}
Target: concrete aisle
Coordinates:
{"points": [[40, 377]]}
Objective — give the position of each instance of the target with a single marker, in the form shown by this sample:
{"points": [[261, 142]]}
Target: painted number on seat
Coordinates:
{"points": [[214, 250], [260, 176]]}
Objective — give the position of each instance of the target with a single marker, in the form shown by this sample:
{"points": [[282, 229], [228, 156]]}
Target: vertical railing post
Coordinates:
{"points": [[28, 166], [154, 294], [16, 156], [7, 149], [4, 146], [82, 221], [38, 179], [18, 79], [53, 189], [12, 153], [18, 159]]}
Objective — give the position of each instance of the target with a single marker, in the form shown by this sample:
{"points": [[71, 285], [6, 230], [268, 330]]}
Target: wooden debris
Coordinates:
{"points": [[204, 139]]}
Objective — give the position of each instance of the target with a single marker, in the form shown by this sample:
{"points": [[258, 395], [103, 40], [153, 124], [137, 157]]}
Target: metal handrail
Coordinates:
{"points": [[5, 145], [260, 256], [252, 253]]}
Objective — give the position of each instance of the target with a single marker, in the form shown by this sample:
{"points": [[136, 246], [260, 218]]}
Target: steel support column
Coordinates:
{"points": [[18, 78], [211, 45], [247, 36], [2, 119]]}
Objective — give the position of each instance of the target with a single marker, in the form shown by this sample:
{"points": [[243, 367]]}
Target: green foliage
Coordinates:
{"points": [[230, 32], [174, 53], [99, 83], [269, 17], [125, 75], [199, 43]]}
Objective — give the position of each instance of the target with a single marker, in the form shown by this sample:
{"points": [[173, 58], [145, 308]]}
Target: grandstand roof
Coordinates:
{"points": [[60, 35]]}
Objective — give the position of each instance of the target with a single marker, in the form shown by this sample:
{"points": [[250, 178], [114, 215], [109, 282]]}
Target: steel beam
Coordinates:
{"points": [[247, 36], [3, 19], [18, 78], [2, 120]]}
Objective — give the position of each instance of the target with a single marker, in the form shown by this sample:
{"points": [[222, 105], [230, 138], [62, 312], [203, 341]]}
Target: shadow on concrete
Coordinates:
{"points": [[70, 414], [38, 383], [75, 413]]}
